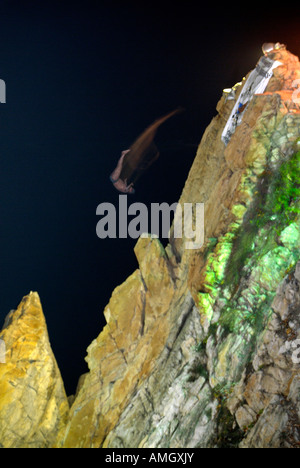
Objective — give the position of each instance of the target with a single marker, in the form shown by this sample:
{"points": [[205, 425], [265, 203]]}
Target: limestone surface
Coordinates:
{"points": [[33, 403], [201, 347]]}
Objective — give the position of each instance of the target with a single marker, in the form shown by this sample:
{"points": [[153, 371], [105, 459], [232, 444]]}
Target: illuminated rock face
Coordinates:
{"points": [[125, 353], [202, 348], [33, 403], [198, 375]]}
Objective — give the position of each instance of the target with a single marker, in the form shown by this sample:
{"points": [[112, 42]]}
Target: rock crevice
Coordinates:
{"points": [[201, 347]]}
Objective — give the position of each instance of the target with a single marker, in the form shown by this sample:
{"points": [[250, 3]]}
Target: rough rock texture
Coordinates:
{"points": [[182, 361], [33, 403], [138, 326], [202, 347]]}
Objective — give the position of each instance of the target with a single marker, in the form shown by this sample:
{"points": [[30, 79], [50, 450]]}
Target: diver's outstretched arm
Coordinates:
{"points": [[115, 175]]}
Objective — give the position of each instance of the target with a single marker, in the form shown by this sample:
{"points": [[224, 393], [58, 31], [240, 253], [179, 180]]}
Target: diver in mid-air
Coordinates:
{"points": [[138, 158], [118, 183]]}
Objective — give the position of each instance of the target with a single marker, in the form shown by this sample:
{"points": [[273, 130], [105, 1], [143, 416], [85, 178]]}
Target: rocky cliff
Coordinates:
{"points": [[201, 346], [33, 403]]}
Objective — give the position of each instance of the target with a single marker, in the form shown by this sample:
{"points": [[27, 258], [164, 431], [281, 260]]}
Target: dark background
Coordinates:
{"points": [[83, 80]]}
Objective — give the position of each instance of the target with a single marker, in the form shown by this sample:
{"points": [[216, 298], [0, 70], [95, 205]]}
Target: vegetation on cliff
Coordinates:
{"points": [[200, 347]]}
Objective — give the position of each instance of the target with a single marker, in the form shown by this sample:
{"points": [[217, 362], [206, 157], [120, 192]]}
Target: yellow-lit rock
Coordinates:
{"points": [[147, 385], [138, 323], [33, 403], [187, 358]]}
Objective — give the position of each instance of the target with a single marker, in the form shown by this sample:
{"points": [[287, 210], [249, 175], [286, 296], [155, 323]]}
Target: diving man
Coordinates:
{"points": [[142, 154], [119, 184]]}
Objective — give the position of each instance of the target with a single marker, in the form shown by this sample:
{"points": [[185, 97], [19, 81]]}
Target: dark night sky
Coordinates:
{"points": [[83, 80]]}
